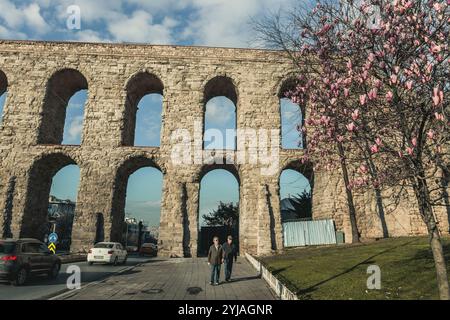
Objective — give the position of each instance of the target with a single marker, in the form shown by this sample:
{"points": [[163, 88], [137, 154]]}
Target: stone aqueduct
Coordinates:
{"points": [[40, 77]]}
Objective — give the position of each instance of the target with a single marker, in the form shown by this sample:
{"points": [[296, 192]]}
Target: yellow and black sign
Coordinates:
{"points": [[52, 247]]}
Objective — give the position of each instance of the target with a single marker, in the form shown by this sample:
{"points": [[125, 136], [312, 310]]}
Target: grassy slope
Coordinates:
{"points": [[340, 272]]}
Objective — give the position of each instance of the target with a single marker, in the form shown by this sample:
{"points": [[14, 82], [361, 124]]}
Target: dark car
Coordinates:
{"points": [[148, 249], [24, 257]]}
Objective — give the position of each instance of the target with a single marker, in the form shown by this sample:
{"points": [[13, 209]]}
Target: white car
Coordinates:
{"points": [[107, 252]]}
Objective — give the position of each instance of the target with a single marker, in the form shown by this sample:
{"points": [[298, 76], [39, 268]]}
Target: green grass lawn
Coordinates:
{"points": [[340, 272]]}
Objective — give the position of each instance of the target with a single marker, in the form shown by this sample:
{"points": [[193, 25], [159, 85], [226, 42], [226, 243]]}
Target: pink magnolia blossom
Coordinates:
{"points": [[363, 169], [351, 127], [378, 83], [439, 116], [378, 141], [435, 48], [430, 134], [410, 150], [389, 96], [363, 99], [409, 84], [374, 148], [394, 79], [373, 94], [355, 115], [438, 96], [414, 142], [346, 92]]}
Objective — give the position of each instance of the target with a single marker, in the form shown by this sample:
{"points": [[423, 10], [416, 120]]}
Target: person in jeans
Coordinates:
{"points": [[215, 258], [229, 253]]}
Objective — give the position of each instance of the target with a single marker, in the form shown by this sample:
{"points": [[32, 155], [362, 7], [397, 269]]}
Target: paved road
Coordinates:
{"points": [[39, 287], [177, 279]]}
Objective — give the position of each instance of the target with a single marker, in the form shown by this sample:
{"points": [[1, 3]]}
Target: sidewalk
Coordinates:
{"points": [[178, 279], [72, 257]]}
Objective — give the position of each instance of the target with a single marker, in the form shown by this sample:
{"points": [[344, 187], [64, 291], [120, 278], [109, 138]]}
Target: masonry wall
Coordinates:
{"points": [[31, 128]]}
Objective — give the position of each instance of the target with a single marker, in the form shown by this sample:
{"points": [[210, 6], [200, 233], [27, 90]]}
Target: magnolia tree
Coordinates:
{"points": [[375, 78]]}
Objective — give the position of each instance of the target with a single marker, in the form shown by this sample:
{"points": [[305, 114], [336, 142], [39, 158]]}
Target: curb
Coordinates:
{"points": [[282, 292], [67, 293]]}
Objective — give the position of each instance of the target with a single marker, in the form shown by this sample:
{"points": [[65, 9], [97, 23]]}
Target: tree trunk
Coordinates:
{"points": [[423, 196], [350, 203]]}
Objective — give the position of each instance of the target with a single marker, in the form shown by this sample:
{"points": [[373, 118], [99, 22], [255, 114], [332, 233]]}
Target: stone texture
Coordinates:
{"points": [[39, 78]]}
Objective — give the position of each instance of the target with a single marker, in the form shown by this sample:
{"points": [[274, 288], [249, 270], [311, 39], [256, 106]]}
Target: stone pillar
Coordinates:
{"points": [[266, 222], [95, 196], [8, 189], [191, 224], [173, 208]]}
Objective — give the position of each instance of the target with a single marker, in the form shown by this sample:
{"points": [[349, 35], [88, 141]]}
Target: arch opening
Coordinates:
{"points": [[144, 102], [292, 118], [295, 194], [220, 114], [3, 93], [148, 121], [137, 203], [51, 199], [219, 212], [66, 95]]}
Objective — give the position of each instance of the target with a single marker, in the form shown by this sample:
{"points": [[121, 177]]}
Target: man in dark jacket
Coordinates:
{"points": [[229, 253], [215, 259]]}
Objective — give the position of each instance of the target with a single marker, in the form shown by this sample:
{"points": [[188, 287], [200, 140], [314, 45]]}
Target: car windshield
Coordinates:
{"points": [[104, 245], [7, 247]]}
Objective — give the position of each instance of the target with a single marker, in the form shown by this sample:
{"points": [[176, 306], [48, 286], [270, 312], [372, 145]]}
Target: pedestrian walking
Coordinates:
{"points": [[229, 254], [215, 259]]}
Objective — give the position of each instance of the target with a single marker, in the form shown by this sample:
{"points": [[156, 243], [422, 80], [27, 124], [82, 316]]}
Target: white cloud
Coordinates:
{"points": [[6, 33], [219, 111], [34, 20], [199, 22], [226, 22], [140, 28], [17, 17], [75, 128], [88, 35]]}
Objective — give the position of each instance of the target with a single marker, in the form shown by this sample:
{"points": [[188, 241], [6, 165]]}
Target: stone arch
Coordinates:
{"points": [[3, 89], [3, 82], [125, 169], [287, 84], [61, 86], [221, 85], [139, 85], [40, 176], [305, 169], [203, 171]]}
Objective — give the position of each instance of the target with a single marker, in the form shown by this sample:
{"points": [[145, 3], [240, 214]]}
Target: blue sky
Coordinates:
{"points": [[224, 23]]}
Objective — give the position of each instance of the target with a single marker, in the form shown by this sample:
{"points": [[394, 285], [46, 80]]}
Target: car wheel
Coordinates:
{"points": [[90, 263], [53, 274], [21, 277], [116, 260]]}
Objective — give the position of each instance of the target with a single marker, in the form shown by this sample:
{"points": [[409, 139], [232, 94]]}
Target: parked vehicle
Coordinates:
{"points": [[148, 249], [132, 249], [107, 252], [24, 257]]}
